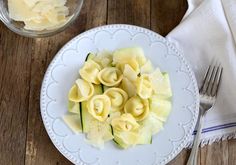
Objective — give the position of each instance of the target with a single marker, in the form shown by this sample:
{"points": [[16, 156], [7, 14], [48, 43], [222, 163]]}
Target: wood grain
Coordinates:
{"points": [[165, 15], [39, 149], [136, 12], [23, 62], [215, 154], [15, 64], [231, 152]]}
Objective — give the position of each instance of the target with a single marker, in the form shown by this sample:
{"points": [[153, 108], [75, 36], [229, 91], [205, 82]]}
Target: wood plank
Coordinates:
{"points": [[39, 149], [15, 55], [215, 154], [165, 15], [136, 12], [232, 152], [181, 158]]}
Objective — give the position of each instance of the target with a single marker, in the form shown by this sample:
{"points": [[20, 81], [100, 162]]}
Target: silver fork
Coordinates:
{"points": [[208, 93]]}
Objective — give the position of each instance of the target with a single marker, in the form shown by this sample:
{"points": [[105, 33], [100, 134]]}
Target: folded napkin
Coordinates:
{"points": [[208, 32]]}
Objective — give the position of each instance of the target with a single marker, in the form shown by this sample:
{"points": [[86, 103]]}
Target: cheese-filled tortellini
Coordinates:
{"points": [[125, 122], [99, 107], [144, 86], [89, 71], [81, 91], [118, 98], [110, 76], [137, 107]]}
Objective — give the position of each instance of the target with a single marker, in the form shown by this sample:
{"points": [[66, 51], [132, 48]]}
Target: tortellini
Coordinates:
{"points": [[137, 107], [144, 87], [125, 122], [89, 71], [99, 107], [118, 98], [110, 76], [81, 91]]}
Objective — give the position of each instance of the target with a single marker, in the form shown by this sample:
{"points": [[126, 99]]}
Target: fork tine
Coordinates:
{"points": [[211, 81], [217, 81], [206, 80]]}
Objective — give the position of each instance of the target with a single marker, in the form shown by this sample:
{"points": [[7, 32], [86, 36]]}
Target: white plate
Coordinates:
{"points": [[63, 71]]}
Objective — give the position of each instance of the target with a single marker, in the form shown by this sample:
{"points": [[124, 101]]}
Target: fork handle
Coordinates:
{"points": [[1, 16], [194, 152]]}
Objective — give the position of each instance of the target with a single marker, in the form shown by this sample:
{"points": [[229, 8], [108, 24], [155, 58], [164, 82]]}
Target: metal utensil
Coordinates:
{"points": [[208, 93]]}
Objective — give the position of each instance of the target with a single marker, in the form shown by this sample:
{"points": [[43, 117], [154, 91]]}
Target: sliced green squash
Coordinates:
{"points": [[98, 133], [86, 118], [153, 123], [160, 107], [121, 55], [161, 83], [98, 89], [105, 88], [74, 107], [89, 56], [73, 122], [125, 139], [145, 135]]}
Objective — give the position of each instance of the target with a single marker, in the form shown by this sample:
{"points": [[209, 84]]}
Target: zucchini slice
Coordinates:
{"points": [[98, 89], [86, 118], [89, 56], [74, 107]]}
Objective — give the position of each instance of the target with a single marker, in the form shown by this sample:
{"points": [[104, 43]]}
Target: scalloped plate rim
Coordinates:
{"points": [[124, 26]]}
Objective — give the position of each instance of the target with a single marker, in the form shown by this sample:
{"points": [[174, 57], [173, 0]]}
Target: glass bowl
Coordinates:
{"points": [[18, 27]]}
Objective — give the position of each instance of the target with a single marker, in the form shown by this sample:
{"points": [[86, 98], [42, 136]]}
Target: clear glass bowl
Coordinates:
{"points": [[18, 27]]}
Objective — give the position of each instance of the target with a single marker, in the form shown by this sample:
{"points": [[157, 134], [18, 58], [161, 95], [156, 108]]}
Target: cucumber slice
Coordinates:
{"points": [[98, 89], [152, 123], [145, 136], [105, 88], [124, 139], [86, 118], [73, 122], [117, 140], [135, 53], [160, 107], [99, 133], [161, 83], [167, 91], [147, 67], [74, 107], [89, 56]]}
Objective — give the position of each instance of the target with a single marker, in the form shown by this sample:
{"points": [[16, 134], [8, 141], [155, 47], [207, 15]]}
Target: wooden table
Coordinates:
{"points": [[23, 61]]}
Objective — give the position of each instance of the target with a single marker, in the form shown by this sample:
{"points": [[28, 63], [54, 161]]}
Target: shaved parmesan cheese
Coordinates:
{"points": [[39, 14], [19, 11]]}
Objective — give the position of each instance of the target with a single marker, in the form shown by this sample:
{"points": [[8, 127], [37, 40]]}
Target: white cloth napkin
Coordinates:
{"points": [[207, 32]]}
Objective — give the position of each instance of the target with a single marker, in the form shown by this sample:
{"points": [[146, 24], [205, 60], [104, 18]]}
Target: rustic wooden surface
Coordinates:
{"points": [[23, 61]]}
